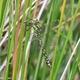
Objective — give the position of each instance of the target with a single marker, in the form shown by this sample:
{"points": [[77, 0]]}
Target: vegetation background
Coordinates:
{"points": [[21, 57]]}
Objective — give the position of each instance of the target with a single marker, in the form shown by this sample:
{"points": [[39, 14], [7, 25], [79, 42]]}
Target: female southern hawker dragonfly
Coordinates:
{"points": [[37, 29]]}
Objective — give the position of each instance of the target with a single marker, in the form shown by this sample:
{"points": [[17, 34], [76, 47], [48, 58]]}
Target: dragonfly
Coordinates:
{"points": [[37, 29]]}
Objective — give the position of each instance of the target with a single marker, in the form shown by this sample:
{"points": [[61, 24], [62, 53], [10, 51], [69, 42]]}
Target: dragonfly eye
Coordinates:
{"points": [[27, 23], [35, 20]]}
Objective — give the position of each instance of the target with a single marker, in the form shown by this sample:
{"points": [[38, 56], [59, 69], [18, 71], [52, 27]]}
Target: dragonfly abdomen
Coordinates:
{"points": [[43, 49]]}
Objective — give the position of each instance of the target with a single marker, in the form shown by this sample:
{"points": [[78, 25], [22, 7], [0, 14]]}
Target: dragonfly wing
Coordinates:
{"points": [[54, 23]]}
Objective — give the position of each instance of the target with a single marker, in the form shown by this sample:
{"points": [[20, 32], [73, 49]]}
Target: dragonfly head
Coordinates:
{"points": [[31, 22]]}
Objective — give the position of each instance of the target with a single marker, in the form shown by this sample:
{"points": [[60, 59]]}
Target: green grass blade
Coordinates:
{"points": [[62, 53]]}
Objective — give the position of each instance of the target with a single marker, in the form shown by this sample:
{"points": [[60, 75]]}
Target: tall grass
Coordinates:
{"points": [[21, 57]]}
